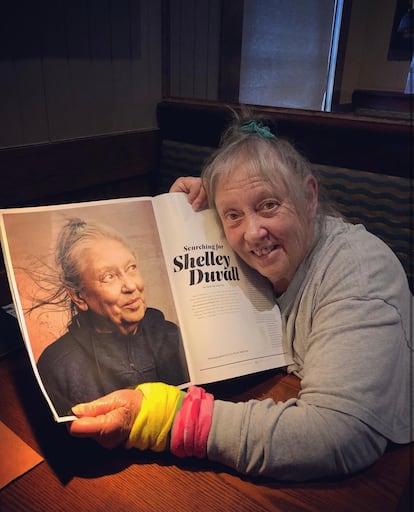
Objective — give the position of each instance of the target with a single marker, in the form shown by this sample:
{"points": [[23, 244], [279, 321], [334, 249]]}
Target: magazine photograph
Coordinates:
{"points": [[110, 294]]}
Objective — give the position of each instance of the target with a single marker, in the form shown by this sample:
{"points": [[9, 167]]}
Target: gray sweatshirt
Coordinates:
{"points": [[346, 320]]}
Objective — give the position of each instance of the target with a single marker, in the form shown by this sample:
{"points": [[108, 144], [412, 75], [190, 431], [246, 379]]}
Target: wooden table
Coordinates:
{"points": [[77, 475]]}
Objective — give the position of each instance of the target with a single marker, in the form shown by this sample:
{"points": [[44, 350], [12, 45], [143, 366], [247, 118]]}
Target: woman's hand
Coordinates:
{"points": [[194, 189], [109, 419]]}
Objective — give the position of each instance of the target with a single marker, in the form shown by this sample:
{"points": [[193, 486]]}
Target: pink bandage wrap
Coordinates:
{"points": [[192, 424]]}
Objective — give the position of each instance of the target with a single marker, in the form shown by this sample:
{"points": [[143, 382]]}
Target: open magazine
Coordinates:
{"points": [[205, 315]]}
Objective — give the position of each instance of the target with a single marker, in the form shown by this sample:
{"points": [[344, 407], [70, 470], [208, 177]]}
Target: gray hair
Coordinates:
{"points": [[273, 159], [75, 236]]}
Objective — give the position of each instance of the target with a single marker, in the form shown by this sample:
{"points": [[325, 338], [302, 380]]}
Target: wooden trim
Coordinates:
{"points": [[311, 117], [78, 169], [338, 139], [383, 100]]}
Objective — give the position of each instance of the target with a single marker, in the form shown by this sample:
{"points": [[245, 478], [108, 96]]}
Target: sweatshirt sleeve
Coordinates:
{"points": [[290, 440]]}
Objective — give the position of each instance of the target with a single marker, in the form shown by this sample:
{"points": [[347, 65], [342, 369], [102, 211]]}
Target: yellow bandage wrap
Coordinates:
{"points": [[153, 423]]}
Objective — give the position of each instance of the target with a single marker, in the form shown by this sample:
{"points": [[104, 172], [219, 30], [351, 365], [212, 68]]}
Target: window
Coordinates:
{"points": [[288, 50]]}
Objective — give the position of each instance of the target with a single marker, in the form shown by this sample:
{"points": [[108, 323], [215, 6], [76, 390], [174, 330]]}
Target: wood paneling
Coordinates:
{"points": [[193, 34], [73, 69], [230, 50]]}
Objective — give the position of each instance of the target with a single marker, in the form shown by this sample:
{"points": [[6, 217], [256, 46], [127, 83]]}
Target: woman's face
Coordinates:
{"points": [[112, 287], [263, 226]]}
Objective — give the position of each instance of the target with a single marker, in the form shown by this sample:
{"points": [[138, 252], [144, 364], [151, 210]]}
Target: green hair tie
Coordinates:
{"points": [[258, 128]]}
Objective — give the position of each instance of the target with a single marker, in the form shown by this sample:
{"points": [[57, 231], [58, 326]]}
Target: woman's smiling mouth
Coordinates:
{"points": [[264, 251], [132, 304]]}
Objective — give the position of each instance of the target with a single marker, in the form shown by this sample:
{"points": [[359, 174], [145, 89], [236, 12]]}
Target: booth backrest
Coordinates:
{"points": [[382, 203], [180, 159]]}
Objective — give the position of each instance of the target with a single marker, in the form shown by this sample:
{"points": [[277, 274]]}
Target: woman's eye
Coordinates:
{"points": [[269, 205], [231, 216], [106, 278]]}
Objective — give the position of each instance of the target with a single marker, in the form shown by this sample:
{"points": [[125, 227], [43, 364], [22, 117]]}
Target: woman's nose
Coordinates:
{"points": [[129, 284], [254, 229]]}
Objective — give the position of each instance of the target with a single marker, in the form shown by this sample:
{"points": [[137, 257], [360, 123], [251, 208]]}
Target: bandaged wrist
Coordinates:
{"points": [[152, 425], [192, 424]]}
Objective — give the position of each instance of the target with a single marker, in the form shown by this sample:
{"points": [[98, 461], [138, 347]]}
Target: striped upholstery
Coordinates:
{"points": [[384, 204], [180, 159]]}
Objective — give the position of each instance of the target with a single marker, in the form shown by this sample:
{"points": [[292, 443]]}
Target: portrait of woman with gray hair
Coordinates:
{"points": [[113, 339]]}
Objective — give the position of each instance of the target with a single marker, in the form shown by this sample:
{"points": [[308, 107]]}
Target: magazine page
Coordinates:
{"points": [[93, 300], [231, 325]]}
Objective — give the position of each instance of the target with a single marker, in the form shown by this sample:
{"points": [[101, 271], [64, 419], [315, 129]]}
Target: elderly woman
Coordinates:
{"points": [[345, 305], [113, 340]]}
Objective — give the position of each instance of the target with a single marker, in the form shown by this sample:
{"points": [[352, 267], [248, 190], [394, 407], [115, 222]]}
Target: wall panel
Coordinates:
{"points": [[79, 68], [194, 44]]}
